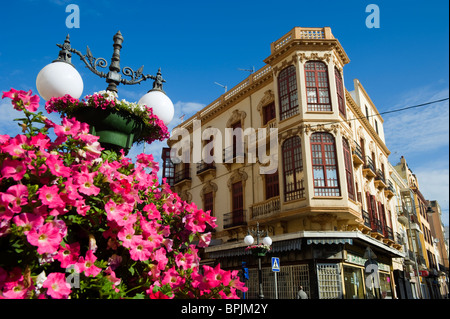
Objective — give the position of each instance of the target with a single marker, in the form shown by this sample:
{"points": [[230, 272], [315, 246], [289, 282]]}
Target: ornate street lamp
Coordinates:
{"points": [[249, 240], [60, 78]]}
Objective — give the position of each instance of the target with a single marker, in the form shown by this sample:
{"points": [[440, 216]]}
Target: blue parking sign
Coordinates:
{"points": [[275, 264]]}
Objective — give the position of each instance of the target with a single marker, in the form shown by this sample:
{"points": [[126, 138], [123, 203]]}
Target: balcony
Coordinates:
{"points": [[402, 215], [366, 218], [266, 208], [388, 235], [389, 191], [380, 181], [421, 260], [203, 169], [410, 257], [357, 156], [181, 177], [232, 155], [377, 229], [234, 219], [369, 169]]}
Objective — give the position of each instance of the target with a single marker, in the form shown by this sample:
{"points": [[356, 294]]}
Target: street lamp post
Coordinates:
{"points": [[60, 78], [249, 240]]}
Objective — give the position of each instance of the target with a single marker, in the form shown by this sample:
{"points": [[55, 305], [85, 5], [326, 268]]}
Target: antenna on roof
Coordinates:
{"points": [[252, 70], [224, 86]]}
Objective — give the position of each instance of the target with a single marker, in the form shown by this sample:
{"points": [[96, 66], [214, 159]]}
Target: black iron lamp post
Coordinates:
{"points": [[259, 252]]}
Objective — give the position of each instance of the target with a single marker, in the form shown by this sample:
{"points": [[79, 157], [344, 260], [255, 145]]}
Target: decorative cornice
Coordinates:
{"points": [[268, 98], [314, 56], [208, 187], [236, 116], [237, 176]]}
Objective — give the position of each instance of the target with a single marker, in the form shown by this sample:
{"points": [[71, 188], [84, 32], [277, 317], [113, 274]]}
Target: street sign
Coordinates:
{"points": [[275, 264]]}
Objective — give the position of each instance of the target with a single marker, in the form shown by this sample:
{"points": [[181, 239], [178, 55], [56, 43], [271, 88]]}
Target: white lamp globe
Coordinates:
{"points": [[58, 79], [248, 240], [160, 103], [267, 241]]}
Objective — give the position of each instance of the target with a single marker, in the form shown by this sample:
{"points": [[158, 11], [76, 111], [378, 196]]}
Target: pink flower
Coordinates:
{"points": [[204, 240], [152, 211], [31, 103], [47, 238], [56, 285], [68, 255], [126, 235], [160, 256], [17, 195], [16, 146], [158, 295], [140, 249], [69, 127], [85, 182], [184, 261], [28, 221], [50, 196], [87, 264], [172, 278], [13, 168], [16, 290], [56, 166]]}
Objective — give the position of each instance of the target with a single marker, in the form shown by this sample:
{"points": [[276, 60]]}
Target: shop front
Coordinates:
{"points": [[336, 265]]}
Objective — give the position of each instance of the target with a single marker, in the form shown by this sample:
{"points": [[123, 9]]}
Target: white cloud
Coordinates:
{"points": [[421, 135], [434, 185], [419, 129], [7, 116]]}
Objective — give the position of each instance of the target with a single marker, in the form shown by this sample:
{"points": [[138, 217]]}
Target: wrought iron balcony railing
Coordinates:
{"points": [[234, 218], [202, 166], [182, 175]]}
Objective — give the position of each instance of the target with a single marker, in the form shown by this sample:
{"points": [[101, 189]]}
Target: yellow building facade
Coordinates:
{"points": [[317, 179]]}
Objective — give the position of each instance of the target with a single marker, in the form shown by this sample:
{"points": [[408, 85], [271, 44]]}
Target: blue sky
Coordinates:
{"points": [[196, 43]]}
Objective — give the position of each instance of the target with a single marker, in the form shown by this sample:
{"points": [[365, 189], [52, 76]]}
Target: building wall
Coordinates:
{"points": [[308, 214]]}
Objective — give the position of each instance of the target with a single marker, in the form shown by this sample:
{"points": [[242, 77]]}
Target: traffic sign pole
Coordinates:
{"points": [[276, 286], [275, 269]]}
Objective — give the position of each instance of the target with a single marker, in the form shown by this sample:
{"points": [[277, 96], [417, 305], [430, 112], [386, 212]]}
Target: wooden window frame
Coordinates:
{"points": [[287, 91], [322, 153], [317, 81], [340, 92], [348, 169], [293, 164]]}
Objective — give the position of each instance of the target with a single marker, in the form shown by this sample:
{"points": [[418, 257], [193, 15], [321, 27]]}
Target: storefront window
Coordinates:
{"points": [[385, 285], [354, 284]]}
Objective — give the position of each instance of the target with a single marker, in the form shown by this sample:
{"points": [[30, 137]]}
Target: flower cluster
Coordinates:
{"points": [[258, 248], [80, 222], [153, 127]]}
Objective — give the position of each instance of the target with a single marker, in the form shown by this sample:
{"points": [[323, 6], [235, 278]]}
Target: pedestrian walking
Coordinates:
{"points": [[301, 294]]}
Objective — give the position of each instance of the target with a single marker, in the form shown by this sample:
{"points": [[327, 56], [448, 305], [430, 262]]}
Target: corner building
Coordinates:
{"points": [[327, 206]]}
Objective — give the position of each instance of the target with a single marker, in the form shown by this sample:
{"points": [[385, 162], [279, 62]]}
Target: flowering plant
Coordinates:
{"points": [[80, 222], [153, 127], [258, 249]]}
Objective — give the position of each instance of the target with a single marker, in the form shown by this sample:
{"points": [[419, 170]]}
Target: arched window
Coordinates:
{"points": [[325, 173], [340, 92], [293, 169], [287, 90], [317, 86], [348, 169]]}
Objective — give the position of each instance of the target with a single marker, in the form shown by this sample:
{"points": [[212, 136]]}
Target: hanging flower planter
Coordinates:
{"points": [[119, 124], [258, 250], [117, 130]]}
